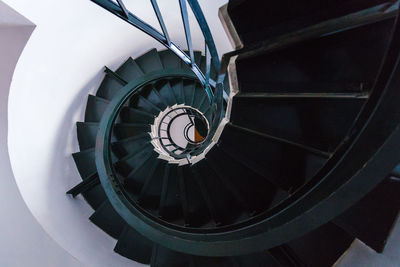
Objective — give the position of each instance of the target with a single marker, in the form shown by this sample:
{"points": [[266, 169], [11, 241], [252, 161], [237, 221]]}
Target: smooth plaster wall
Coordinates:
{"points": [[62, 63], [23, 242]]}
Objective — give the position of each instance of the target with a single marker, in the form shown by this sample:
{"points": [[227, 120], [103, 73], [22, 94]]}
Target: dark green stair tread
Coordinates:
{"points": [[205, 193], [137, 177], [311, 150], [170, 60], [153, 97], [224, 205], [164, 190], [165, 91], [95, 108], [204, 104], [226, 180], [145, 105], [130, 145], [372, 218], [129, 70], [163, 257], [138, 169], [197, 57], [316, 87], [108, 220], [197, 213], [150, 193], [322, 246], [189, 88], [87, 132], [170, 202], [321, 65], [85, 162], [256, 192], [134, 159], [95, 196], [177, 90], [199, 97], [129, 130], [320, 123], [150, 61], [268, 157], [275, 19], [132, 115], [131, 244], [109, 87], [183, 196], [208, 113]]}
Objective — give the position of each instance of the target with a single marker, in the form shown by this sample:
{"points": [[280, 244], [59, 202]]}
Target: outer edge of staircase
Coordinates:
{"points": [[229, 28]]}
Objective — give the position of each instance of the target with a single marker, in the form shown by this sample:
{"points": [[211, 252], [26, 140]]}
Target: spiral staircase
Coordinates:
{"points": [[280, 154]]}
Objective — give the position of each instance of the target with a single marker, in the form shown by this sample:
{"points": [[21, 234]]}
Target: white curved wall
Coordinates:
{"points": [[23, 241], [61, 64]]}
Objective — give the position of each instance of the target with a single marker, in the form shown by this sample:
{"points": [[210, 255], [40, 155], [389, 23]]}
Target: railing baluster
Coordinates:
{"points": [[121, 4], [186, 25], [208, 64], [118, 8], [201, 20], [161, 21]]}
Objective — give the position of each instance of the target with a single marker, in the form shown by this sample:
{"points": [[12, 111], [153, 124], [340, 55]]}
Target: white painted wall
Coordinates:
{"points": [[60, 65], [23, 242]]}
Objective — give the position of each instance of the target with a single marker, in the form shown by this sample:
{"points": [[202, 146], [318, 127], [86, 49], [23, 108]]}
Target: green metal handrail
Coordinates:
{"points": [[119, 9]]}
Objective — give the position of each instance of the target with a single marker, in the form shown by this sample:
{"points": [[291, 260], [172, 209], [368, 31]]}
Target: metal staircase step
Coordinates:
{"points": [[170, 60], [95, 108], [132, 115], [317, 122], [321, 247], [319, 65], [166, 93], [177, 89], [109, 87], [129, 70], [134, 159], [87, 132], [108, 220], [134, 246], [372, 218], [274, 19], [150, 61], [85, 162], [130, 144]]}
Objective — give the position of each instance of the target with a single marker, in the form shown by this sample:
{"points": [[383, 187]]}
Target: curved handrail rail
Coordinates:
{"points": [[119, 9]]}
